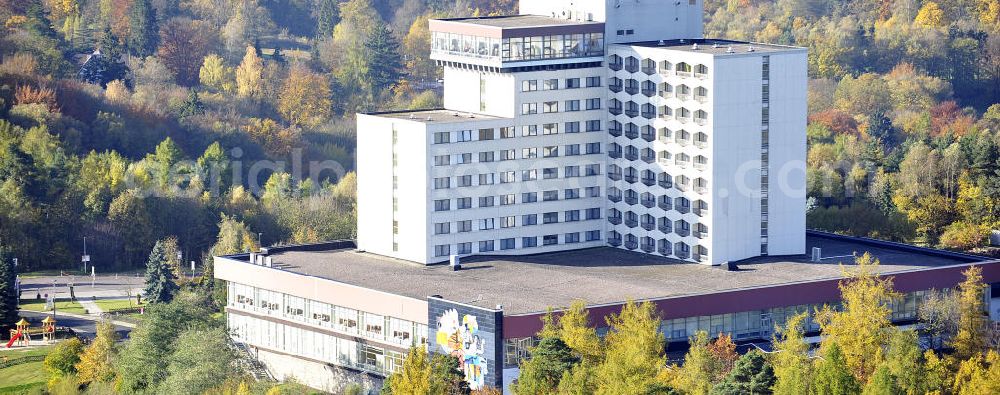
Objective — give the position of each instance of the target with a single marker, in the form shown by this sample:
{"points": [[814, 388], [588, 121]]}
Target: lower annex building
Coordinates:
{"points": [[328, 314]]}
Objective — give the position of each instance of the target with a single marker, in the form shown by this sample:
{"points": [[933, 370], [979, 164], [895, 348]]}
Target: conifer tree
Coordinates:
{"points": [[8, 295], [882, 382], [750, 375], [384, 67], [833, 376], [792, 368], [550, 360], [160, 281], [143, 34], [327, 18]]}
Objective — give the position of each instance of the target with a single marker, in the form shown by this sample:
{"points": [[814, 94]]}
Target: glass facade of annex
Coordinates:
{"points": [[298, 338], [519, 48]]}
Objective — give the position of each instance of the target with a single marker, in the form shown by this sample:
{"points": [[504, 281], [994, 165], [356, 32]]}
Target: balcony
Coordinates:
{"points": [[649, 203], [700, 166], [683, 96], [649, 136], [616, 132], [663, 250], [648, 248], [683, 209], [680, 163], [631, 244], [649, 70], [665, 228], [683, 254], [666, 184], [701, 121], [615, 241], [615, 198], [701, 75], [649, 182], [631, 200], [683, 73], [683, 119], [701, 190], [649, 92], [632, 156], [682, 141], [615, 176], [649, 114], [649, 225], [632, 67], [666, 71], [683, 232], [701, 144], [631, 223], [615, 110], [649, 159], [631, 179], [616, 88], [664, 205], [665, 94], [632, 89], [701, 212], [701, 98], [615, 220], [616, 66], [632, 113], [699, 235], [615, 154]]}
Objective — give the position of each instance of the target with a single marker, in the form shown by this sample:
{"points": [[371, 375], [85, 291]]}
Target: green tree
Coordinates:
{"points": [[573, 327], [97, 360], [751, 374], [905, 363], [128, 215], [161, 283], [64, 357], [191, 370], [792, 368], [143, 31], [881, 383], [549, 361], [8, 296], [327, 18], [234, 237], [446, 377], [579, 380], [697, 375], [833, 375], [634, 355], [971, 337], [384, 68]]}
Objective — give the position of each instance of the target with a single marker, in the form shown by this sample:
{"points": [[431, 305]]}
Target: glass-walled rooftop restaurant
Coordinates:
{"points": [[515, 49]]}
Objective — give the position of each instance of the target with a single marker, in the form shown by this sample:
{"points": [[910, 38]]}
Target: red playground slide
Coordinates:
{"points": [[13, 339]]}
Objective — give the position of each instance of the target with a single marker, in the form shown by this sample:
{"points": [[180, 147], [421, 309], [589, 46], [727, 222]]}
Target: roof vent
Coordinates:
{"points": [[456, 263], [750, 48], [817, 255], [729, 50], [715, 45], [429, 118], [695, 46], [682, 41], [663, 42], [411, 116]]}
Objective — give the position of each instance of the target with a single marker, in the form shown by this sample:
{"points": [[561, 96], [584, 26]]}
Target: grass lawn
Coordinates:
{"points": [[63, 305], [111, 304], [29, 378]]}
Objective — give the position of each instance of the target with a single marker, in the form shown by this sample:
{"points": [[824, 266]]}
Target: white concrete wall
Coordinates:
{"points": [[649, 19], [787, 153], [467, 90]]}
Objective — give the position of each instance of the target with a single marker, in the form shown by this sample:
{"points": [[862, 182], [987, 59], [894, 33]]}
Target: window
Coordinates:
{"points": [[507, 244], [442, 137], [550, 240], [507, 222], [572, 83], [529, 86], [572, 193], [549, 196], [486, 201], [593, 148], [464, 226], [571, 171], [593, 191], [571, 216], [465, 181], [464, 248], [529, 130], [508, 199], [550, 152], [529, 175], [442, 205], [529, 108], [487, 156], [486, 246], [594, 126], [572, 105], [485, 134], [487, 179], [550, 107], [442, 160], [592, 170], [573, 127], [529, 197], [464, 203], [442, 183], [507, 177], [508, 154], [529, 153], [442, 250], [571, 237], [528, 242], [550, 173], [507, 132], [442, 228], [593, 235], [593, 213], [529, 219], [594, 104], [548, 85], [487, 224], [550, 128], [593, 82], [463, 135], [572, 149], [550, 218], [462, 159]]}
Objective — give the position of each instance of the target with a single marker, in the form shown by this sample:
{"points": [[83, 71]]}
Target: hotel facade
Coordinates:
{"points": [[586, 124]]}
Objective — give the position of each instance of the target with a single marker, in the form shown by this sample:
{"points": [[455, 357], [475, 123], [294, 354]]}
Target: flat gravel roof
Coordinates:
{"points": [[530, 284]]}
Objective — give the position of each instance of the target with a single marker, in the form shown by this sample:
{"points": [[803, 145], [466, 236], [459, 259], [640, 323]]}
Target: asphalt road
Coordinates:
{"points": [[100, 287], [83, 327]]}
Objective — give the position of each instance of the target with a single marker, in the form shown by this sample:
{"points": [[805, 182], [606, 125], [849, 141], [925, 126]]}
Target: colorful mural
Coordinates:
{"points": [[461, 339]]}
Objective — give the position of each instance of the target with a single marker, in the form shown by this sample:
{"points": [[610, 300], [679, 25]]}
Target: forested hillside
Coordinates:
{"points": [[226, 123]]}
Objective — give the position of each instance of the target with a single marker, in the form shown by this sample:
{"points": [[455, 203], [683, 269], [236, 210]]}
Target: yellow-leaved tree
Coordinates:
{"points": [[634, 357], [861, 328], [415, 377], [250, 75], [792, 367], [305, 98], [970, 340], [97, 360], [215, 74]]}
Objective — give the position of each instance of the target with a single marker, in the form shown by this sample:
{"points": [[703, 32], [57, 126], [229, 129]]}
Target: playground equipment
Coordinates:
{"points": [[20, 335], [49, 329]]}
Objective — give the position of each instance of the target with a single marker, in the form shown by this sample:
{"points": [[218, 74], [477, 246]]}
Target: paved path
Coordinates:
{"points": [[91, 307], [83, 325]]}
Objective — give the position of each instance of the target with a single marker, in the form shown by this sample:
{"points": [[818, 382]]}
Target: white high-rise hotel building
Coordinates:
{"points": [[586, 123]]}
